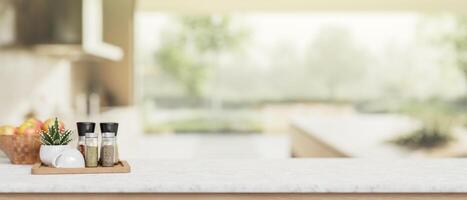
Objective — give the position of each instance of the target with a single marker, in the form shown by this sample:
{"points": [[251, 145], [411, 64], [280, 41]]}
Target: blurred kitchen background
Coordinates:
{"points": [[244, 79]]}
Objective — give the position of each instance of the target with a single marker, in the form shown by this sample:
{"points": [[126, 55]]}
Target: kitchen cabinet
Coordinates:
{"points": [[63, 28]]}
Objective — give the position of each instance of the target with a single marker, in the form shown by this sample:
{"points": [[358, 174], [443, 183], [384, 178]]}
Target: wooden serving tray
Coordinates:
{"points": [[121, 167]]}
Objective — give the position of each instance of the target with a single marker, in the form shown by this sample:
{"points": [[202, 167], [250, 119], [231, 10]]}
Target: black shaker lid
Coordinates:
{"points": [[85, 127], [109, 127]]}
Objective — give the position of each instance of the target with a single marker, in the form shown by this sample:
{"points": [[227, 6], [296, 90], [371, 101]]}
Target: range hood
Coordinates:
{"points": [[63, 28]]}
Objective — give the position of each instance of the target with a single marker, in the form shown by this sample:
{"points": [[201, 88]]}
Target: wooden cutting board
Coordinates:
{"points": [[121, 167]]}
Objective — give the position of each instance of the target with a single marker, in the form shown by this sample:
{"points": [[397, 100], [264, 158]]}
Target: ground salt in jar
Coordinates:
{"points": [[91, 155], [83, 128]]}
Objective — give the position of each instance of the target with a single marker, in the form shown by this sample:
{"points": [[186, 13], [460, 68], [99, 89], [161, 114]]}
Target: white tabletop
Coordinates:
{"points": [[258, 176]]}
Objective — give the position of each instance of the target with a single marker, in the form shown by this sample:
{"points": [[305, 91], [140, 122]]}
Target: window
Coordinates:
{"points": [[258, 71]]}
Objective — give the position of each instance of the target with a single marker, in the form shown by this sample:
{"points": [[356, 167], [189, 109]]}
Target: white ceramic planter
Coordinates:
{"points": [[48, 153], [69, 158]]}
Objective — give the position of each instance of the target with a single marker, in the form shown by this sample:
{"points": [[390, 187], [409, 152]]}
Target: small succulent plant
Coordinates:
{"points": [[55, 135]]}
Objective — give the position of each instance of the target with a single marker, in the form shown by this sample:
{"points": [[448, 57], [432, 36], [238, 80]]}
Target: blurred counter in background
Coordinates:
{"points": [[365, 136], [134, 143]]}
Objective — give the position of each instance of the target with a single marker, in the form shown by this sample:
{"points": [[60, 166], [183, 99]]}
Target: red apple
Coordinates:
{"points": [[50, 122], [31, 131], [38, 123], [7, 130], [28, 128]]}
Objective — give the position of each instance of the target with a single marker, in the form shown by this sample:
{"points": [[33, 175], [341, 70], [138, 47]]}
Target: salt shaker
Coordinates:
{"points": [[83, 128], [91, 155]]}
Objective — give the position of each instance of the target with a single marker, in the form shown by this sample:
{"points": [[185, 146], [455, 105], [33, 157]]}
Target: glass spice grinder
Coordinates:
{"points": [[83, 128], [91, 155], [109, 143]]}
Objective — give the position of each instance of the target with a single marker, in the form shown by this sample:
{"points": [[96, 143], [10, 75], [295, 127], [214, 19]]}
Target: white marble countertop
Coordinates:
{"points": [[253, 176]]}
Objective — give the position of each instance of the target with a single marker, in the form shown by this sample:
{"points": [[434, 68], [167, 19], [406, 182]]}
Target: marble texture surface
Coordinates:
{"points": [[255, 176]]}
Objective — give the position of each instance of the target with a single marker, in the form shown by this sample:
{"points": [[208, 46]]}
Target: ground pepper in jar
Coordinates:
{"points": [[108, 154], [109, 144]]}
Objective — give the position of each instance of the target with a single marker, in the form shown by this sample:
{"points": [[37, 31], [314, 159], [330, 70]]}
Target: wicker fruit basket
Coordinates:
{"points": [[21, 149]]}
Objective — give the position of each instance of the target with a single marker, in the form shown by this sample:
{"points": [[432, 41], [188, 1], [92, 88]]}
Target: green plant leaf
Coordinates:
{"points": [[47, 139], [44, 139], [55, 136], [65, 139]]}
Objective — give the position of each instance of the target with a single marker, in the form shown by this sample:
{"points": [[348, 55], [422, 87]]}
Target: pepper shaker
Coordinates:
{"points": [[109, 148]]}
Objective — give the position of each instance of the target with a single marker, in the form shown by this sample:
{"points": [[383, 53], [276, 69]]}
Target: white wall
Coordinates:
{"points": [[32, 83]]}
